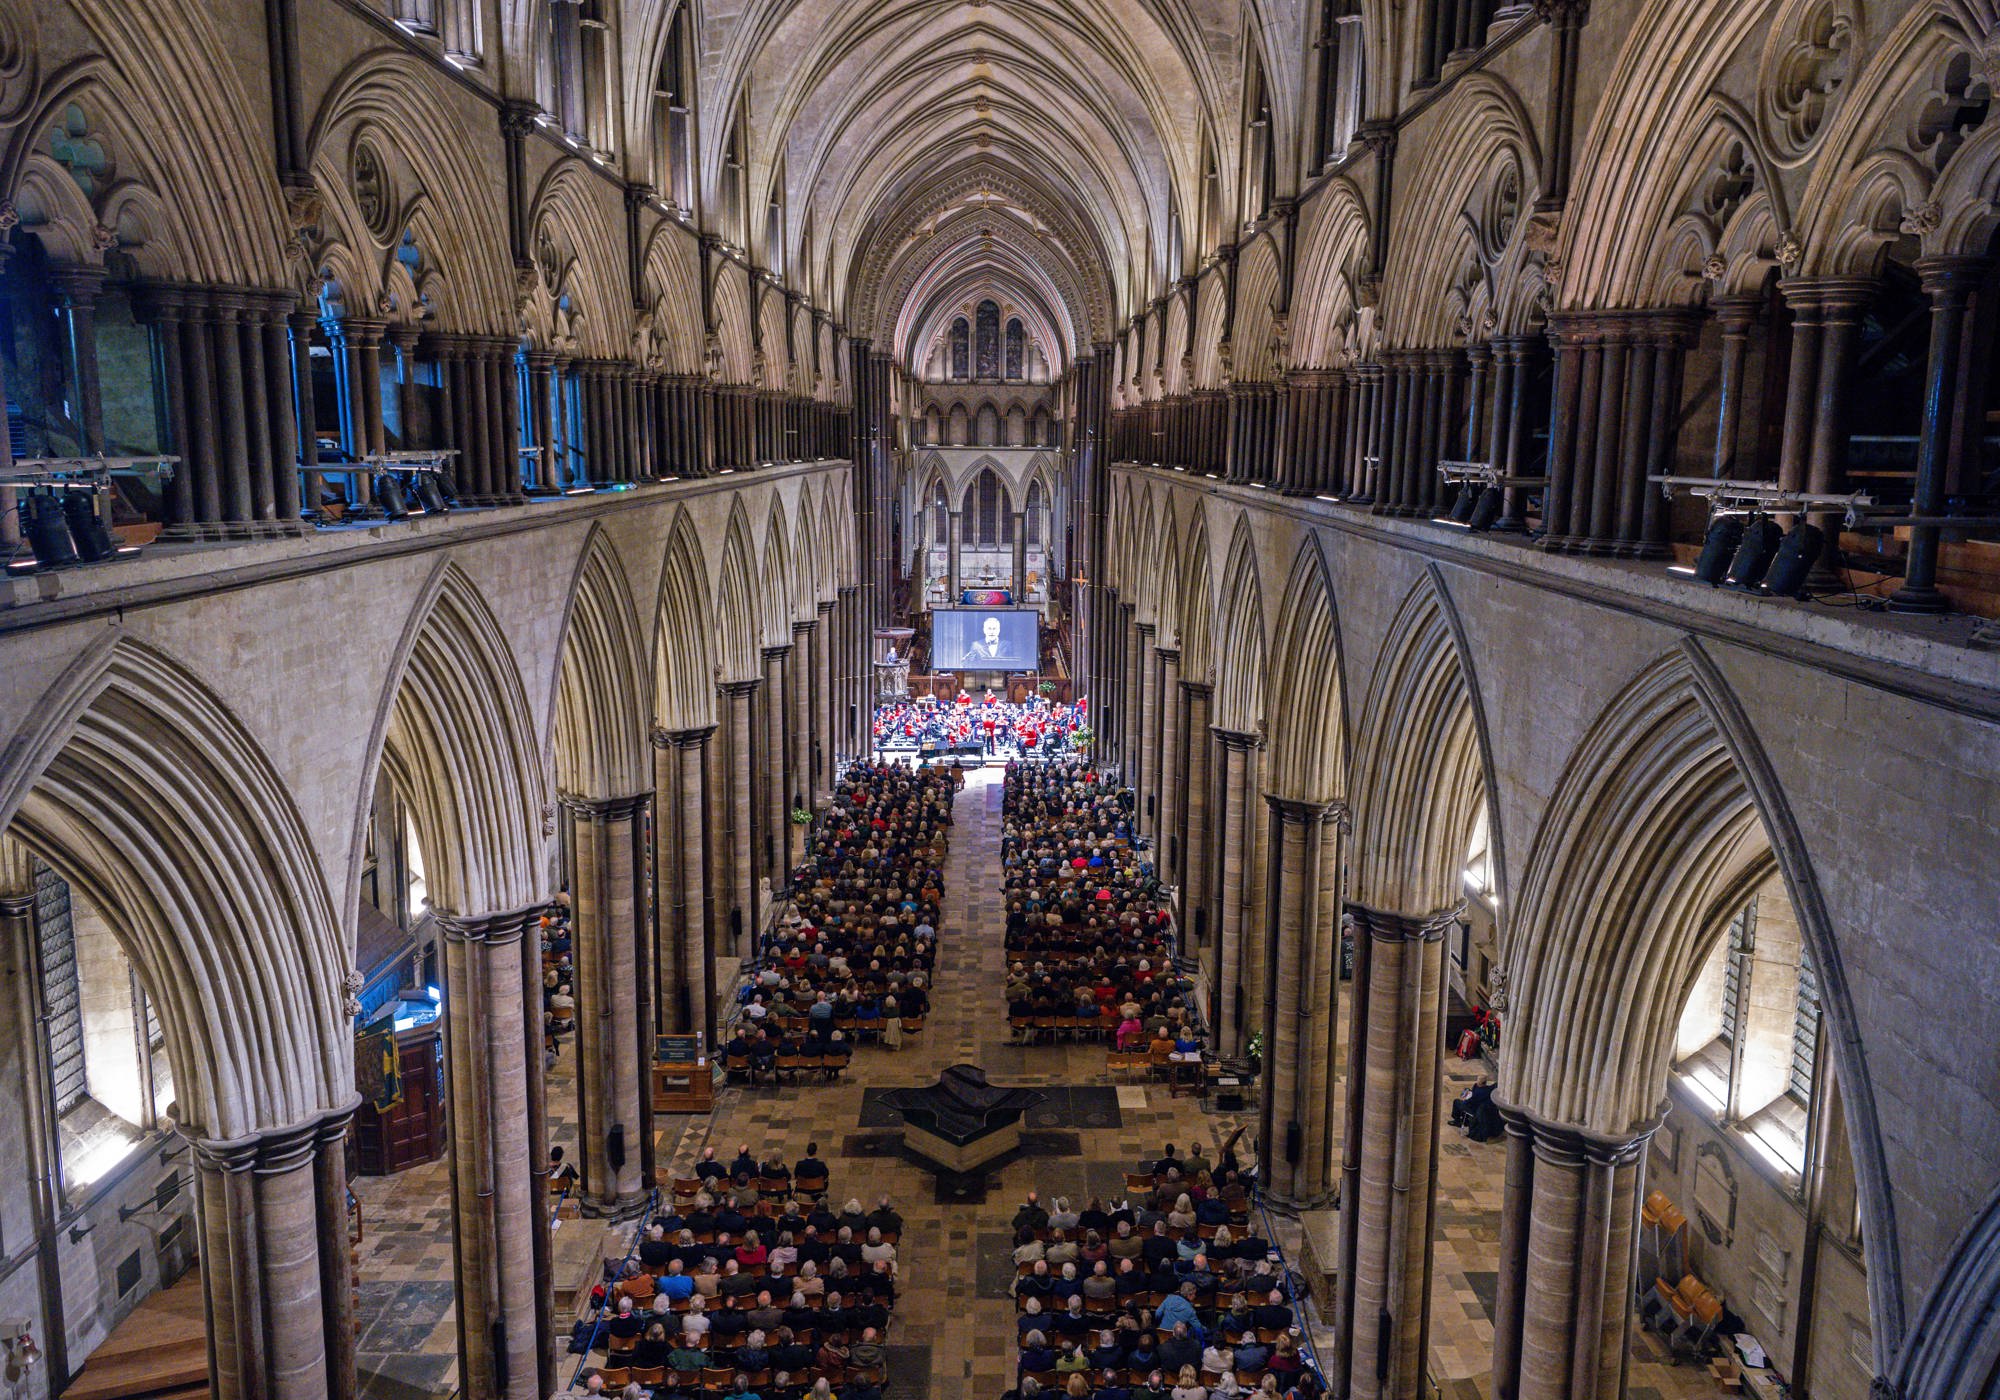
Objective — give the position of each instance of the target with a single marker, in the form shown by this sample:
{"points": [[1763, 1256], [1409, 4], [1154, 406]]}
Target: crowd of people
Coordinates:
{"points": [[749, 1284], [1170, 1295], [1034, 728], [852, 957], [1089, 945]]}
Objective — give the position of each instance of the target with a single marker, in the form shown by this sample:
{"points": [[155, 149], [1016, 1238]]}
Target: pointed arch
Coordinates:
{"points": [[456, 733], [1167, 592], [1667, 805], [773, 597], [601, 704], [805, 560], [737, 635], [145, 793], [1239, 679], [683, 675], [1422, 768], [1197, 605], [1309, 723]]}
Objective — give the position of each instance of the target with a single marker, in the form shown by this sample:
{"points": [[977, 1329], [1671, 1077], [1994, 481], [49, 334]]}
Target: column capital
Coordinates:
{"points": [[508, 926], [776, 653], [1293, 811], [1236, 738], [681, 738], [1385, 927], [608, 809], [1838, 296], [1172, 654], [748, 687], [272, 1151], [825, 608], [1569, 1144], [1952, 279], [1197, 690], [807, 627]]}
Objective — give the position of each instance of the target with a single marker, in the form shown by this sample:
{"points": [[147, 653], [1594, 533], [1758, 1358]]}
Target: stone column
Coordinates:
{"points": [[955, 531], [685, 963], [1167, 784], [776, 771], [336, 1270], [490, 1034], [1019, 562], [1734, 316], [826, 719], [1195, 840], [798, 788], [1568, 1249], [264, 1235], [1389, 1154], [1295, 1140], [1945, 446], [1144, 725], [608, 898]]}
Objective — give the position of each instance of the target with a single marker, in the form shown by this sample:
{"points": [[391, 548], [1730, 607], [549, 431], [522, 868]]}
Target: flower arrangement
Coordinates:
{"points": [[801, 816], [1080, 740]]}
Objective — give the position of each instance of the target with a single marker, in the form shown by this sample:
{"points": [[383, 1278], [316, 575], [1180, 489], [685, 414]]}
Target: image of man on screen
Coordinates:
{"points": [[988, 648]]}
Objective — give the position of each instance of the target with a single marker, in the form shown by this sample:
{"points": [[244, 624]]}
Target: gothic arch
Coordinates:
{"points": [[455, 730], [580, 259], [737, 635], [732, 324], [1308, 725], [805, 560], [670, 283], [1330, 265], [1239, 676], [1666, 807], [683, 675], [1258, 354], [1954, 1346], [1422, 765], [144, 792], [601, 705], [1197, 604], [777, 579]]}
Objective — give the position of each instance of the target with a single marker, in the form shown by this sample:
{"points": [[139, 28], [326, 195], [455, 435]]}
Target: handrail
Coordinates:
{"points": [[1291, 1296], [597, 1322]]}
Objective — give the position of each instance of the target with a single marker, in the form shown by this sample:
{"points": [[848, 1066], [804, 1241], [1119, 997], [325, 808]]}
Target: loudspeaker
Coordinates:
{"points": [[1796, 556], [86, 527], [1753, 554], [47, 531], [1724, 532], [389, 495], [1486, 510]]}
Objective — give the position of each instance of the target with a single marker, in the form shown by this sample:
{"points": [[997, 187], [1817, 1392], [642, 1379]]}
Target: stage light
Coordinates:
{"points": [[1796, 556], [429, 496], [1759, 542], [1485, 510], [86, 527], [389, 495], [47, 531], [1725, 532], [1462, 504]]}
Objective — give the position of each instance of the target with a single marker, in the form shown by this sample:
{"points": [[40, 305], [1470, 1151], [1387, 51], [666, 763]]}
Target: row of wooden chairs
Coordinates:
{"points": [[831, 1067], [1213, 1299], [805, 1336], [773, 1191]]}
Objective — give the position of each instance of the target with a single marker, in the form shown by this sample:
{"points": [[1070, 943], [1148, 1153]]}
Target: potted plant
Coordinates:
{"points": [[1254, 1053], [1080, 740], [801, 816], [1047, 688]]}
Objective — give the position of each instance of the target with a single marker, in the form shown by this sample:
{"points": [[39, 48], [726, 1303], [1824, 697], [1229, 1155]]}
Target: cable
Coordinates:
{"points": [[1298, 1304], [597, 1322]]}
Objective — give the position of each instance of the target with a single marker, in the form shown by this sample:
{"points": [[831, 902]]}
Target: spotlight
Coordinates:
{"points": [[1485, 510], [86, 527], [1796, 556], [1468, 498], [389, 495], [47, 530], [1724, 533], [429, 496], [1753, 553]]}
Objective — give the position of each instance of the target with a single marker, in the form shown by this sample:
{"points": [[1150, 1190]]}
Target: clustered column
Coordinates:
{"points": [[493, 1046], [680, 859], [1568, 1253], [275, 1270], [1618, 378], [1425, 397], [614, 996], [1193, 838], [777, 769], [798, 790], [1389, 1152], [1296, 1133], [226, 357], [1167, 771]]}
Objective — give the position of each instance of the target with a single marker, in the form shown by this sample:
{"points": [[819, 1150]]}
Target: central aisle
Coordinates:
{"points": [[953, 1331]]}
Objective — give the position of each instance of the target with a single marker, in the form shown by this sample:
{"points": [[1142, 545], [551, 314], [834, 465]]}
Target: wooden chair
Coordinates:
{"points": [[615, 1377], [717, 1377], [650, 1375]]}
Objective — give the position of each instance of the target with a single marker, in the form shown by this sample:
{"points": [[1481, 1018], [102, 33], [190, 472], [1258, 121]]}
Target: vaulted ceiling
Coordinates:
{"points": [[932, 152]]}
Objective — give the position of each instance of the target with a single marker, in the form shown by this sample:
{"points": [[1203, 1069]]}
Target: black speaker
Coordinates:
{"points": [[1796, 556], [86, 527], [1724, 533], [1485, 510], [1761, 535], [389, 495], [47, 531]]}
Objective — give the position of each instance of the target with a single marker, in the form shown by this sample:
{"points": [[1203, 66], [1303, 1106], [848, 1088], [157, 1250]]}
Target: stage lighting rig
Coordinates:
{"points": [[60, 500]]}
